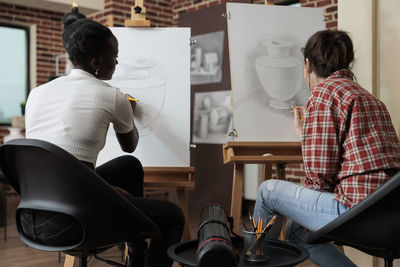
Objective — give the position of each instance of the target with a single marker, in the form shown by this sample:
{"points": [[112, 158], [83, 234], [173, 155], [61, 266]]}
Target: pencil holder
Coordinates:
{"points": [[254, 246]]}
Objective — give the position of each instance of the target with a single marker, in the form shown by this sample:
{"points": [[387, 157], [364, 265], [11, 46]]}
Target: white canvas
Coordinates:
{"points": [[154, 67], [267, 67]]}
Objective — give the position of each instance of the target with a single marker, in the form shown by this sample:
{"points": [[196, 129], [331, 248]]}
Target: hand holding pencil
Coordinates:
{"points": [[132, 101], [299, 113]]}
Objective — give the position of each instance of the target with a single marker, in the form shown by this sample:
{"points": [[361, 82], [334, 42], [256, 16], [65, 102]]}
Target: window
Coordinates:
{"points": [[14, 70]]}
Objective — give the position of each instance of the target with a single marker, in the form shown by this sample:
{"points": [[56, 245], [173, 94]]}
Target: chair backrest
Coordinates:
{"points": [[373, 224], [50, 179]]}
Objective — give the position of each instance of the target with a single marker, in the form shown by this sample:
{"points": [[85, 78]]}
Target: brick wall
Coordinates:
{"points": [[159, 12], [330, 7]]}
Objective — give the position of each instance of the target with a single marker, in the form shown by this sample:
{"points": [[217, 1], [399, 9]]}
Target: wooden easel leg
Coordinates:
{"points": [[281, 175], [267, 171], [283, 231], [280, 171], [237, 194], [181, 195], [69, 261]]}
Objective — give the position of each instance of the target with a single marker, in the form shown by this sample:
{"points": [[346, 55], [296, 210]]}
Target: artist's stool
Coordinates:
{"points": [[280, 254]]}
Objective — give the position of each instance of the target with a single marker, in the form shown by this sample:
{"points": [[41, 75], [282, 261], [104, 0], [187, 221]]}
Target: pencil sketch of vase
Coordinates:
{"points": [[143, 79], [280, 74]]}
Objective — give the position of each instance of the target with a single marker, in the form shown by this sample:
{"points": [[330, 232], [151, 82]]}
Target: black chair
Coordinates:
{"points": [[50, 179], [372, 226]]}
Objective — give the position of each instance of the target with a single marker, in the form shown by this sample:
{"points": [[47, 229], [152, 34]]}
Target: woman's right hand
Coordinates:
{"points": [[133, 103], [299, 113]]}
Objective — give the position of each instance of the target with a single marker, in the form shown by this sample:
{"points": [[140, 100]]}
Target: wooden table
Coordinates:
{"points": [[240, 153], [178, 178]]}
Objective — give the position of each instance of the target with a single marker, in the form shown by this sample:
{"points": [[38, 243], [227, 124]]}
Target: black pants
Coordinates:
{"points": [[125, 172]]}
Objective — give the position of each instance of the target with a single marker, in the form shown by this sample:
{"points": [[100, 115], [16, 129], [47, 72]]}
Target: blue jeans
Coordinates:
{"points": [[308, 210]]}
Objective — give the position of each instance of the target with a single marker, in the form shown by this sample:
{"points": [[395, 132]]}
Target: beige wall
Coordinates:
{"points": [[375, 28], [388, 33], [358, 24]]}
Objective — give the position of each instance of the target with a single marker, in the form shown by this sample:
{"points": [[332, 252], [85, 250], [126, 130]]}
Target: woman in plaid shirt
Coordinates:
{"points": [[349, 148]]}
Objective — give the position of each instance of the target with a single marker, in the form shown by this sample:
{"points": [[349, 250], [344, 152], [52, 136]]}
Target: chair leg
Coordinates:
{"points": [[69, 261], [83, 261], [388, 261], [126, 249], [4, 208], [5, 212]]}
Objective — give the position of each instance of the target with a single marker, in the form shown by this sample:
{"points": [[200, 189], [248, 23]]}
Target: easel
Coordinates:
{"points": [[160, 178], [138, 16], [240, 153], [180, 179]]}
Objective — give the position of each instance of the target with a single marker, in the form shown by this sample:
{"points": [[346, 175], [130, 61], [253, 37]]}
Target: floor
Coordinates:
{"points": [[14, 253]]}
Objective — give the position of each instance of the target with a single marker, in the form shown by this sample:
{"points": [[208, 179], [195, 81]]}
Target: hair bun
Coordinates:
{"points": [[72, 16]]}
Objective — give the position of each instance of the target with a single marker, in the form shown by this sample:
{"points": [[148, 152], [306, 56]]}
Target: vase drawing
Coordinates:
{"points": [[280, 74], [143, 79]]}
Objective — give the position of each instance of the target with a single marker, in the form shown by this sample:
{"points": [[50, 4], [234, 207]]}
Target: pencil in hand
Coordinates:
{"points": [[133, 99], [293, 109]]}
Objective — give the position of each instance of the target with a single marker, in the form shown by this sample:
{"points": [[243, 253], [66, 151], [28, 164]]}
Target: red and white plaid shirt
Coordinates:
{"points": [[349, 142]]}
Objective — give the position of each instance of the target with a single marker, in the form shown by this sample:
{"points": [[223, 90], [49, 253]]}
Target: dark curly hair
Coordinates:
{"points": [[84, 39], [329, 51]]}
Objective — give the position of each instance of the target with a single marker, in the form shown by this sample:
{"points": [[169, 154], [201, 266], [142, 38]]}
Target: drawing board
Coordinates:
{"points": [[206, 58], [212, 117], [154, 67], [267, 67]]}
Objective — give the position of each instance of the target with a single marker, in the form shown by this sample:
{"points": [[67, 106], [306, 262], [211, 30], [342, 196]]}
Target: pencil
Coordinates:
{"points": [[292, 111], [270, 223], [251, 222], [133, 99]]}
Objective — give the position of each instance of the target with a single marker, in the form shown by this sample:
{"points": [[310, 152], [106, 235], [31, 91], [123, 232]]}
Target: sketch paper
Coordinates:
{"points": [[154, 67], [212, 117], [267, 67], [206, 58]]}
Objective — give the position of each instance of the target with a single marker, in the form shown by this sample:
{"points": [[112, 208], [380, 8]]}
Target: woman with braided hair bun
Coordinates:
{"points": [[75, 112], [349, 148]]}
